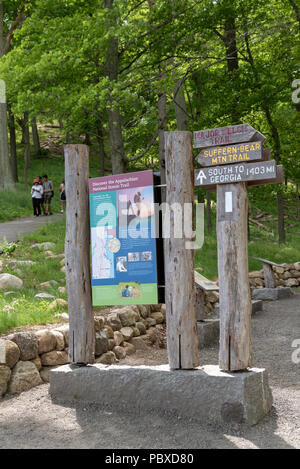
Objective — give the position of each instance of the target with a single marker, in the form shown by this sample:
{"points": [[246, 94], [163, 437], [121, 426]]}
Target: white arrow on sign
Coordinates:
{"points": [[201, 176]]}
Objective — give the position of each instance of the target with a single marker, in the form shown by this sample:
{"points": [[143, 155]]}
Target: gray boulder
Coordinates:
{"points": [[127, 317], [107, 358], [44, 296], [9, 353], [46, 341], [5, 374], [10, 282], [27, 343], [24, 376], [101, 343], [55, 358]]}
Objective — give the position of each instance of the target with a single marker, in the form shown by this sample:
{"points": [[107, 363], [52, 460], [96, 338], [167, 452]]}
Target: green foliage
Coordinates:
{"points": [[6, 247], [262, 243]]}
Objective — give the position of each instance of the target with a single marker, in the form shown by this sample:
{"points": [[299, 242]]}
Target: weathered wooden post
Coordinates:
{"points": [[182, 338], [235, 299], [77, 251]]}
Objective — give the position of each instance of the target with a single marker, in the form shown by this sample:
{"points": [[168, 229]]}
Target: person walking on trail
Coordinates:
{"points": [[62, 190], [42, 199], [36, 194], [48, 194]]}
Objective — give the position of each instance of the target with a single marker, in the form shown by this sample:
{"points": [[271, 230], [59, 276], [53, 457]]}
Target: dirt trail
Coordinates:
{"points": [[14, 229], [32, 421]]}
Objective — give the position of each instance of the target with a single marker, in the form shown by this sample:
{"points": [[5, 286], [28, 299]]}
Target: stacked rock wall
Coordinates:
{"points": [[287, 275], [26, 358]]}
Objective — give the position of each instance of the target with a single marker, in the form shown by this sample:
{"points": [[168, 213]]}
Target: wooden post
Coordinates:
{"points": [[235, 299], [269, 276], [77, 250], [182, 338]]}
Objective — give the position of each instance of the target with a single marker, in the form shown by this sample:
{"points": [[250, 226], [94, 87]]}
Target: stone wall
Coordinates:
{"points": [[26, 358], [211, 301], [287, 275]]}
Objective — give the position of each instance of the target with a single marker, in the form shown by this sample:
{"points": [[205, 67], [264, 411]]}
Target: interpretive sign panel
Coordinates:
{"points": [[226, 135], [235, 173], [122, 248], [231, 154]]}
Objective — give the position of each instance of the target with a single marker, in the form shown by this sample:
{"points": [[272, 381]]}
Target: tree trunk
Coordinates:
{"points": [[13, 144], [102, 153], [280, 212], [116, 144], [277, 153], [162, 127], [197, 95], [180, 107], [87, 139], [275, 136], [6, 179], [26, 134], [35, 137], [229, 39], [297, 201], [296, 10]]}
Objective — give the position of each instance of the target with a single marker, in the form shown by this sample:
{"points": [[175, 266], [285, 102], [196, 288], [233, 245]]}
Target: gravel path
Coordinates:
{"points": [[14, 229], [32, 421]]}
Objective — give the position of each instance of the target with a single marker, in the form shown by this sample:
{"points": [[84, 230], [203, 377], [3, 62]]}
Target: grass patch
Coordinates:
{"points": [[18, 203], [22, 308]]}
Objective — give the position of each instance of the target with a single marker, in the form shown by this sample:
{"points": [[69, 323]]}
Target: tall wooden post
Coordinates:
{"points": [[235, 299], [182, 338], [77, 250]]}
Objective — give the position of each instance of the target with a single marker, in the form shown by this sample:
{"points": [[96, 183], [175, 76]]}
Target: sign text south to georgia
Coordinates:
{"points": [[235, 173], [230, 154]]}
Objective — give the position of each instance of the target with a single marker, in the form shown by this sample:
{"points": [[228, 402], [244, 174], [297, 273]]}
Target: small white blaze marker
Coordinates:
{"points": [[228, 202]]}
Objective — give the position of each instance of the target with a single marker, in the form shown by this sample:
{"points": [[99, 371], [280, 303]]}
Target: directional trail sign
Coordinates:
{"points": [[235, 173], [232, 159], [227, 135], [231, 154]]}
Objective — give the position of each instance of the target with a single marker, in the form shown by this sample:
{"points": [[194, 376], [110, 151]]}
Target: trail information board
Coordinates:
{"points": [[123, 251]]}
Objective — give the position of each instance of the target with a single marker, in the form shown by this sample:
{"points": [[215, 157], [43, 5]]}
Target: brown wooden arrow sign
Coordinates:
{"points": [[227, 135], [235, 173], [277, 179], [228, 154]]}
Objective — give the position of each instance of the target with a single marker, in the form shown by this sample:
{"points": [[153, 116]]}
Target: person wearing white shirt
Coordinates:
{"points": [[36, 194]]}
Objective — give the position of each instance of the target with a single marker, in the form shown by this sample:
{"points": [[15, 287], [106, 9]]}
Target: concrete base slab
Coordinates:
{"points": [[204, 394], [208, 332], [272, 294]]}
